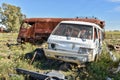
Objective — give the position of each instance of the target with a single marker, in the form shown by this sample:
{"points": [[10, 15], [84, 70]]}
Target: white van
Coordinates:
{"points": [[75, 41]]}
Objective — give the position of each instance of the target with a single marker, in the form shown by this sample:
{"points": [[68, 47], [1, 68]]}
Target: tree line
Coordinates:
{"points": [[11, 17]]}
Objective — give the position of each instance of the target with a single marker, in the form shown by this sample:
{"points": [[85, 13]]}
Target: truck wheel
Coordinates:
{"points": [[31, 41], [38, 54]]}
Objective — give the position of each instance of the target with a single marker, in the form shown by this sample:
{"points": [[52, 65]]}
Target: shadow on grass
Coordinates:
{"points": [[38, 59]]}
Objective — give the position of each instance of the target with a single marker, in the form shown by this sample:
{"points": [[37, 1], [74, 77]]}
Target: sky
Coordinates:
{"points": [[106, 10]]}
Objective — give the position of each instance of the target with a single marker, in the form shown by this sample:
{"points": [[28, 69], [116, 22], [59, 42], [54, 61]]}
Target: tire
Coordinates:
{"points": [[31, 41], [39, 54]]}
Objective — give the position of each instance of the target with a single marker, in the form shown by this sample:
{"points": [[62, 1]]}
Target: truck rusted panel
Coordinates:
{"points": [[39, 29]]}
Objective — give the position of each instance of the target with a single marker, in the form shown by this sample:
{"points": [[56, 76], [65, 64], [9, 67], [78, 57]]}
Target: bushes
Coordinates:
{"points": [[99, 70], [102, 69]]}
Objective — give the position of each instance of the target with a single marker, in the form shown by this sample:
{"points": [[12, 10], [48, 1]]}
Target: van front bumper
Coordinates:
{"points": [[68, 56]]}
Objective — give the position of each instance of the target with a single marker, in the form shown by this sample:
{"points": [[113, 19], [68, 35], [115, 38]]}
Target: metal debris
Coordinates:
{"points": [[53, 75], [118, 69], [108, 78], [113, 47], [112, 56], [110, 52]]}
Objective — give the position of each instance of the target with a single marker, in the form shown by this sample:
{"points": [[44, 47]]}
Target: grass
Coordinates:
{"points": [[112, 35], [12, 56], [113, 38]]}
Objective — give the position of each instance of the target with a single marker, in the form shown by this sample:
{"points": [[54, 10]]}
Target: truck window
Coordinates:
{"points": [[26, 25]]}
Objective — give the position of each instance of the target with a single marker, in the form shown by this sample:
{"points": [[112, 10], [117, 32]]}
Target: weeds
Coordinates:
{"points": [[12, 56]]}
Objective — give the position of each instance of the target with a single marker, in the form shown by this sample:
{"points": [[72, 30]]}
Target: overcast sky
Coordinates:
{"points": [[107, 10]]}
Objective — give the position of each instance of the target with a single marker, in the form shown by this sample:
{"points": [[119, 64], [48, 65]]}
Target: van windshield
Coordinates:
{"points": [[74, 30]]}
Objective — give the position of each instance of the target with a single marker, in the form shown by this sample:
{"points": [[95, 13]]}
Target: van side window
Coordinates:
{"points": [[95, 34], [99, 34], [26, 25]]}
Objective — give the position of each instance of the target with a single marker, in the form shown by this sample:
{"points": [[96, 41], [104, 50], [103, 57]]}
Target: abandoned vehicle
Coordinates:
{"points": [[75, 41]]}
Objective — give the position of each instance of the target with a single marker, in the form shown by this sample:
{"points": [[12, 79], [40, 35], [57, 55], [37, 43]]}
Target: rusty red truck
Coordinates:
{"points": [[38, 29]]}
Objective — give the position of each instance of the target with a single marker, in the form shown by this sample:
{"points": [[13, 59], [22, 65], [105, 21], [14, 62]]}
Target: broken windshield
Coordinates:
{"points": [[74, 30]]}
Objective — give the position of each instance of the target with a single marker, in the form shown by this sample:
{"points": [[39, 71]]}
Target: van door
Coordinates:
{"points": [[100, 40], [96, 40]]}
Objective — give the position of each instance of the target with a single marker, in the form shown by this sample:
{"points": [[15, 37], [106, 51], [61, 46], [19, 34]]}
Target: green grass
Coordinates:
{"points": [[16, 55], [12, 57], [112, 35], [113, 38]]}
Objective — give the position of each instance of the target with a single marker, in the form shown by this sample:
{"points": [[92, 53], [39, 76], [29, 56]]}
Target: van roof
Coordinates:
{"points": [[57, 20], [82, 22]]}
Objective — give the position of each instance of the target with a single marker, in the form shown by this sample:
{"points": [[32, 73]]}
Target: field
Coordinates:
{"points": [[113, 38], [12, 56], [112, 34]]}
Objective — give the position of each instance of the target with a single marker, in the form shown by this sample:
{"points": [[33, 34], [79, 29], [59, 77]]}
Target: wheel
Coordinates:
{"points": [[31, 40], [39, 54]]}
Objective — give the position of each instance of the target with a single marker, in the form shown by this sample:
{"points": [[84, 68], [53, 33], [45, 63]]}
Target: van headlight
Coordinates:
{"points": [[52, 46], [85, 50]]}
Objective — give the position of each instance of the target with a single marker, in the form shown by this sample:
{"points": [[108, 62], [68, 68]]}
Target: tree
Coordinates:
{"points": [[11, 17]]}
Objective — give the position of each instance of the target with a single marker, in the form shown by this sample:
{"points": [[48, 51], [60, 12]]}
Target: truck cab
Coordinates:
{"points": [[75, 42]]}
